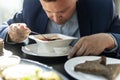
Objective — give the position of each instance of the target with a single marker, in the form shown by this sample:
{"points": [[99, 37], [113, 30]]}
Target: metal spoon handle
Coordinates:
{"points": [[40, 34], [35, 33]]}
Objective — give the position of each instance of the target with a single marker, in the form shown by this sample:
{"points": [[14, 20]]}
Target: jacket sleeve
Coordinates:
{"points": [[115, 30], [26, 15], [18, 18]]}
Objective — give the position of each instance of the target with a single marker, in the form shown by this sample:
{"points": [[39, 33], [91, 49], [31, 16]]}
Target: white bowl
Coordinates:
{"points": [[48, 46], [62, 50]]}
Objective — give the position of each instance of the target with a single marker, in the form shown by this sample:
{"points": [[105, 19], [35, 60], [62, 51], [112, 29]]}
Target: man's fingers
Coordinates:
{"points": [[18, 32], [74, 50], [81, 51]]}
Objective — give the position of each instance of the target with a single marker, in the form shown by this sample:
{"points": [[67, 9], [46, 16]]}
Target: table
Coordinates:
{"points": [[57, 65]]}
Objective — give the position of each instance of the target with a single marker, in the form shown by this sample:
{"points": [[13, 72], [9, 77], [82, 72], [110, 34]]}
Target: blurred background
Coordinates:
{"points": [[117, 3], [8, 8]]}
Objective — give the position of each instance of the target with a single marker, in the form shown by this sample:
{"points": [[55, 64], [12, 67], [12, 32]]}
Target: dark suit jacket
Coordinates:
{"points": [[94, 16]]}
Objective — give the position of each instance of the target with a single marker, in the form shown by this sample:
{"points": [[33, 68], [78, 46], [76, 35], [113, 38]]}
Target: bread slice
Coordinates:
{"points": [[114, 70], [99, 67], [92, 67]]}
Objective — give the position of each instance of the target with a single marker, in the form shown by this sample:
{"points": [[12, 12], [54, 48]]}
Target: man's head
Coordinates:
{"points": [[49, 0], [59, 11]]}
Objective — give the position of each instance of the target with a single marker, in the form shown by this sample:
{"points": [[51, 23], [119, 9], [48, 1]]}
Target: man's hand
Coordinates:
{"points": [[92, 45], [18, 32]]}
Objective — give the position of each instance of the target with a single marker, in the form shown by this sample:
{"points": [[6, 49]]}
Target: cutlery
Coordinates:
{"points": [[41, 35], [46, 38]]}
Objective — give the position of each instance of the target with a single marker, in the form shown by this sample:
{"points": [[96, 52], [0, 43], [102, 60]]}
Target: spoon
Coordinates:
{"points": [[41, 35], [45, 38]]}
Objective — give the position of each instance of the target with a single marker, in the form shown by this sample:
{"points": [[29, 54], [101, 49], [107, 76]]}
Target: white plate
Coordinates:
{"points": [[24, 63], [43, 66], [9, 61], [32, 50], [70, 64], [6, 53]]}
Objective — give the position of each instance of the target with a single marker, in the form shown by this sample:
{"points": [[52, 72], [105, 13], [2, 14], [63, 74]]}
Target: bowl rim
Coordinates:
{"points": [[61, 35]]}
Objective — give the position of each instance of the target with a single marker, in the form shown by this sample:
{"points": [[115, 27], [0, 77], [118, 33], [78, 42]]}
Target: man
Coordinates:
{"points": [[94, 22]]}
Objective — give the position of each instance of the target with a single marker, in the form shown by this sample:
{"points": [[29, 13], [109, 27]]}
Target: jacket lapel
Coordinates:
{"points": [[83, 18], [41, 22]]}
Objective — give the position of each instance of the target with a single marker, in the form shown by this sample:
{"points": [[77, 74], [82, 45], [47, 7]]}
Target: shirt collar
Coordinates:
{"points": [[73, 18]]}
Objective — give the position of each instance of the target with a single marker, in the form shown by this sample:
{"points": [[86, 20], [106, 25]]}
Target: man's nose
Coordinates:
{"points": [[56, 17]]}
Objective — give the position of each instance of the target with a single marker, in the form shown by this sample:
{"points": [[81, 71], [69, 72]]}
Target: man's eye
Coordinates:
{"points": [[62, 11], [48, 12]]}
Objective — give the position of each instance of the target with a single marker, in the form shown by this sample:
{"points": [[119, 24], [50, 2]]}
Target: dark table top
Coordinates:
{"points": [[55, 63]]}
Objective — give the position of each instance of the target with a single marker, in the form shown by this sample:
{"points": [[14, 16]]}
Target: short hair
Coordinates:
{"points": [[49, 0]]}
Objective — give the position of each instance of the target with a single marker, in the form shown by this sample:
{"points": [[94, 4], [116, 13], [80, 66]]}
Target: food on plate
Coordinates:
{"points": [[113, 71], [94, 67], [18, 72], [9, 61], [49, 75], [1, 46], [99, 67], [28, 72]]}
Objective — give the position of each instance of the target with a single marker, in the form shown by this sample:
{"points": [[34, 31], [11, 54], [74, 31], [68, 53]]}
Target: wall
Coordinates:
{"points": [[8, 8]]}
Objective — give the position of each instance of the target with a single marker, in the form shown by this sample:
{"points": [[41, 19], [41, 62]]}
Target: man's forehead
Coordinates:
{"points": [[49, 0], [54, 0], [55, 7]]}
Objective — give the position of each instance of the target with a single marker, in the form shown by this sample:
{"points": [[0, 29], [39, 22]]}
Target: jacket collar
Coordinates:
{"points": [[41, 22], [83, 18]]}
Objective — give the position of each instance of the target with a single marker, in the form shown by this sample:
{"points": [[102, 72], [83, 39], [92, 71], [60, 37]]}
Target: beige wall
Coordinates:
{"points": [[117, 3], [8, 8]]}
